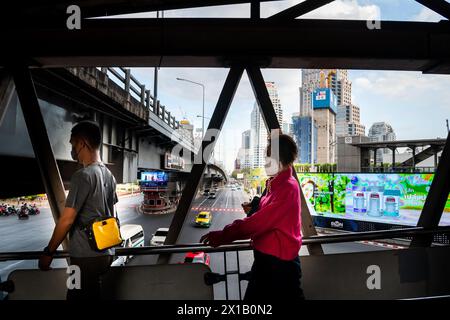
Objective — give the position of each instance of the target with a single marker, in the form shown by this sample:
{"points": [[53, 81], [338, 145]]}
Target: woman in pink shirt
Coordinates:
{"points": [[274, 230]]}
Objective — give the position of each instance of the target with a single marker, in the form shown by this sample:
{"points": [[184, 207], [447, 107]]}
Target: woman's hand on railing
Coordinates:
{"points": [[247, 206], [213, 239]]}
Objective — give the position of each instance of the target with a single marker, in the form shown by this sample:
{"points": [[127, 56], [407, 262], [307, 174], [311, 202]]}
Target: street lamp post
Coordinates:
{"points": [[312, 130], [203, 107]]}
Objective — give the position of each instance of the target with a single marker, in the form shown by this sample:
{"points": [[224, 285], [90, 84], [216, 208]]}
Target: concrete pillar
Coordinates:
{"points": [[157, 108], [375, 158], [435, 159], [147, 100], [143, 94], [393, 158], [414, 157], [127, 80]]}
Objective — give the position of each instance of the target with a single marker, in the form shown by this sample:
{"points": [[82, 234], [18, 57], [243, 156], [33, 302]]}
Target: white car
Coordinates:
{"points": [[159, 237], [133, 237]]}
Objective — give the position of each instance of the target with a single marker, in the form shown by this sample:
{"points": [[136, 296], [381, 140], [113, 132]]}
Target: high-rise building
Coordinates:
{"points": [[328, 88], [237, 163], [186, 130], [348, 121], [378, 132], [258, 131], [287, 128], [301, 127], [335, 79], [245, 139], [325, 117], [244, 158]]}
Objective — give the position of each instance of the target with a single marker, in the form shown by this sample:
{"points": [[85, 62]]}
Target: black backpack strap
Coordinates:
{"points": [[105, 202]]}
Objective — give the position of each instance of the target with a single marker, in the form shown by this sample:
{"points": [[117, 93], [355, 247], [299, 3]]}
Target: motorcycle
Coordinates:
{"points": [[23, 214], [33, 210], [3, 211], [11, 210]]}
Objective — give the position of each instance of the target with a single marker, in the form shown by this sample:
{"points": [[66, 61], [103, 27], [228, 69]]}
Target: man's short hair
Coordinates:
{"points": [[90, 131], [287, 149]]}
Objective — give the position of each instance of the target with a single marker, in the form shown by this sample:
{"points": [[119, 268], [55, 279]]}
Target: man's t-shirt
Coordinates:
{"points": [[86, 197]]}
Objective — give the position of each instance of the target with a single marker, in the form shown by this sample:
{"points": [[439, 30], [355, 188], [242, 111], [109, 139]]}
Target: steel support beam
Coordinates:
{"points": [[300, 9], [412, 46], [6, 92], [255, 9], [42, 148], [192, 184], [270, 118], [262, 98], [436, 198], [441, 7]]}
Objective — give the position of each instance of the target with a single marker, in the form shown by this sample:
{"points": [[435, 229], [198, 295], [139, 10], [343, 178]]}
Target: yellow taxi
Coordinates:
{"points": [[203, 219]]}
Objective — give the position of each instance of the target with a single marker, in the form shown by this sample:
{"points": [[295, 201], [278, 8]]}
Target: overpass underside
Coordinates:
{"points": [[135, 135], [280, 41]]}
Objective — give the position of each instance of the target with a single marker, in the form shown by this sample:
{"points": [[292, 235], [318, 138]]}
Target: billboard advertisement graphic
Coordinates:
{"points": [[324, 99], [384, 198], [154, 179]]}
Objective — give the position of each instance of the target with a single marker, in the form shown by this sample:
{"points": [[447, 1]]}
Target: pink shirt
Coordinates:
{"points": [[275, 227]]}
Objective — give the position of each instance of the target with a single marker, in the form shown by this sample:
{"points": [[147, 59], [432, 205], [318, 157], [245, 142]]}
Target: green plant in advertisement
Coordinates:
{"points": [[340, 193]]}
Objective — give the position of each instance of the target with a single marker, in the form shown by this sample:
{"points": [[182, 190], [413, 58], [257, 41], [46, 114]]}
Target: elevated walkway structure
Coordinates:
{"points": [[434, 146]]}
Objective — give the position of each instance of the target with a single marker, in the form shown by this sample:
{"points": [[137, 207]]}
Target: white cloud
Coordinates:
{"points": [[339, 9], [415, 104], [230, 11], [427, 15], [402, 85]]}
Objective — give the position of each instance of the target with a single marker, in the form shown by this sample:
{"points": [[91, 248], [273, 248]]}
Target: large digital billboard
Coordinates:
{"points": [[324, 98], [154, 179], [384, 198]]}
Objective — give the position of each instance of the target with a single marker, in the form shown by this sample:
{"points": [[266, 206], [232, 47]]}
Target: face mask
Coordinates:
{"points": [[75, 154], [272, 166]]}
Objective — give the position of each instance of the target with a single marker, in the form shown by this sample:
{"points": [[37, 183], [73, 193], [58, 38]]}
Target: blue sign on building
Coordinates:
{"points": [[324, 98]]}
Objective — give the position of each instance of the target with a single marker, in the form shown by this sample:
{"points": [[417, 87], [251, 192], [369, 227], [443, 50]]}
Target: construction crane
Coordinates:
{"points": [[322, 79], [330, 74]]}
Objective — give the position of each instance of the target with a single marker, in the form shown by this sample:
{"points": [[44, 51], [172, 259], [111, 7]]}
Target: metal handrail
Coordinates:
{"points": [[240, 245]]}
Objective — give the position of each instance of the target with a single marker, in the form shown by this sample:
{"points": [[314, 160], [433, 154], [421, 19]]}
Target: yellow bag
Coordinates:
{"points": [[104, 234]]}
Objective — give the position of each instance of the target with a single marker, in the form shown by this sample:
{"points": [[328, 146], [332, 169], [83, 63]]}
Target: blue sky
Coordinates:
{"points": [[416, 105]]}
